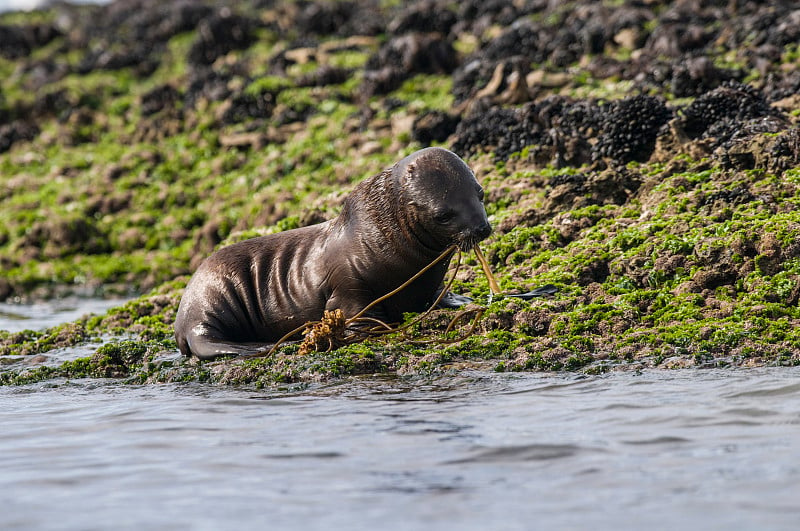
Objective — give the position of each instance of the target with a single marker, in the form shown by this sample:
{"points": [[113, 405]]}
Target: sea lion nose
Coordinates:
{"points": [[484, 231]]}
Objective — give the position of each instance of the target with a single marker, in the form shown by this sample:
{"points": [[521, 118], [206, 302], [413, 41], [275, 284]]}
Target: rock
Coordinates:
{"points": [[220, 34], [17, 131], [433, 126], [630, 127], [405, 56], [724, 106], [159, 98]]}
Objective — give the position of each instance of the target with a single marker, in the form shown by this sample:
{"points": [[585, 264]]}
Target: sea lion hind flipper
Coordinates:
{"points": [[206, 348], [452, 300], [542, 291]]}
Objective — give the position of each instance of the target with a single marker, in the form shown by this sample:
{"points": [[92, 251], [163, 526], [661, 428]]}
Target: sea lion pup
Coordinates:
{"points": [[248, 295]]}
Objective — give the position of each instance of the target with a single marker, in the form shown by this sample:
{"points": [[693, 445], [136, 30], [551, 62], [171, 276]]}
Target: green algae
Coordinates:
{"points": [[698, 267], [640, 310]]}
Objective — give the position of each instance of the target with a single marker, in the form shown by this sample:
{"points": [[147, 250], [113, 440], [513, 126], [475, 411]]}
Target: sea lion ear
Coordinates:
{"points": [[409, 173]]}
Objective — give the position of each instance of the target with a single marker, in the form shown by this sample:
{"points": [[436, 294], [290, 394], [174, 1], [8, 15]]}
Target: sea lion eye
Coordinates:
{"points": [[444, 216], [481, 194]]}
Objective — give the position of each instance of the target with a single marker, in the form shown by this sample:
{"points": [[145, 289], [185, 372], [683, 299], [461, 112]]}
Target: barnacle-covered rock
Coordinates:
{"points": [[405, 56], [732, 102], [158, 99], [483, 129], [426, 16], [433, 126], [630, 128], [220, 34], [19, 41], [555, 130], [15, 132], [340, 18]]}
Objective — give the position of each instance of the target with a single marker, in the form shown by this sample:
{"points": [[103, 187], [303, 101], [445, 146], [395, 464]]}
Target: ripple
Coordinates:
{"points": [[687, 449], [783, 390], [530, 452], [659, 440], [306, 455]]}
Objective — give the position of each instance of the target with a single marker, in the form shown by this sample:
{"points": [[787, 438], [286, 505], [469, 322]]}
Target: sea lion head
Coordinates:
{"points": [[444, 199]]}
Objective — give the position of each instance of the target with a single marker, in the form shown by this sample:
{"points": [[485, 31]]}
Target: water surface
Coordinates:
{"points": [[688, 449], [43, 314]]}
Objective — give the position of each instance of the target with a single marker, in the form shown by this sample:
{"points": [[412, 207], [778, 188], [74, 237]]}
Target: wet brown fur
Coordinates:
{"points": [[246, 296]]}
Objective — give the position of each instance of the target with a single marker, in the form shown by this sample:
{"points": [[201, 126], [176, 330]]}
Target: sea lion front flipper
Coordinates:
{"points": [[543, 291], [451, 300]]}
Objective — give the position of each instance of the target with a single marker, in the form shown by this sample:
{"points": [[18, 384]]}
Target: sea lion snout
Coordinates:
{"points": [[471, 236], [477, 227], [484, 231], [474, 221]]}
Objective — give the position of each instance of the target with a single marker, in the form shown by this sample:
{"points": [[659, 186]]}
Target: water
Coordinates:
{"points": [[664, 450], [689, 449], [40, 315]]}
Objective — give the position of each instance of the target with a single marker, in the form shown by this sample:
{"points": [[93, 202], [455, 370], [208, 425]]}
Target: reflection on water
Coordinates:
{"points": [[664, 450]]}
